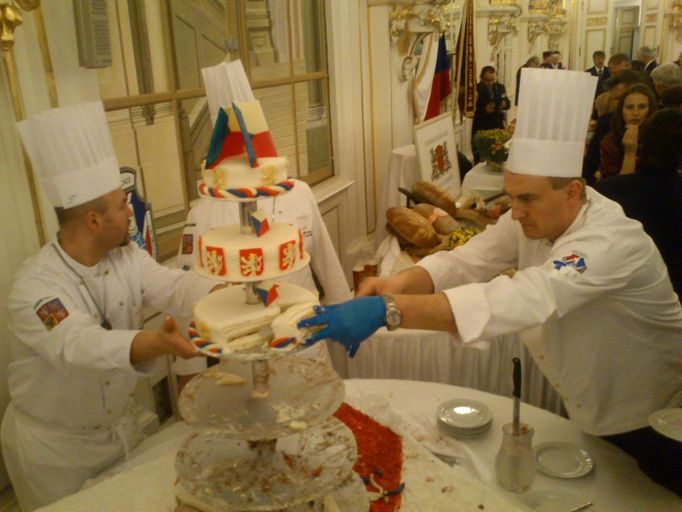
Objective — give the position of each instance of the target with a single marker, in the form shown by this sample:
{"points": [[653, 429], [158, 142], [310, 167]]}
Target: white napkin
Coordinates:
{"points": [[426, 433]]}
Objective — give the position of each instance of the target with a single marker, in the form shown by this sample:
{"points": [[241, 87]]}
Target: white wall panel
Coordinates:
{"points": [[595, 39]]}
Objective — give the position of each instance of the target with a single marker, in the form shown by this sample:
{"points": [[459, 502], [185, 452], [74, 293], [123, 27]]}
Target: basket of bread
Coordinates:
{"points": [[436, 222]]}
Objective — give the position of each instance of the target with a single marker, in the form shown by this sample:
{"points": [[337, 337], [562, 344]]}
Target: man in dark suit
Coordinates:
{"points": [[600, 70], [646, 56], [553, 61], [491, 103]]}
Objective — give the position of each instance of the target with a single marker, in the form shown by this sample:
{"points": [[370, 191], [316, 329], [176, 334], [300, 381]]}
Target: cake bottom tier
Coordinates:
{"points": [[216, 472]]}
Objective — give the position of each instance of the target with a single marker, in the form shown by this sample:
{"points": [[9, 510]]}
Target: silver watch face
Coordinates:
{"points": [[393, 318]]}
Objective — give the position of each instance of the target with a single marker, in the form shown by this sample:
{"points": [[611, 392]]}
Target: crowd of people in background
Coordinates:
{"points": [[635, 131]]}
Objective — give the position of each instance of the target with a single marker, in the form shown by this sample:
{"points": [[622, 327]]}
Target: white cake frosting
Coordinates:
{"points": [[236, 173], [229, 254], [285, 325], [224, 317]]}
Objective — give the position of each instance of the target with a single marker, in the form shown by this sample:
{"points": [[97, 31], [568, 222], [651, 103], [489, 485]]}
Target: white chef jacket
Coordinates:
{"points": [[297, 207], [610, 340], [70, 380]]}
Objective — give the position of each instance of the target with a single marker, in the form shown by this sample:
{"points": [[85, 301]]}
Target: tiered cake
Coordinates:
{"points": [[266, 437]]}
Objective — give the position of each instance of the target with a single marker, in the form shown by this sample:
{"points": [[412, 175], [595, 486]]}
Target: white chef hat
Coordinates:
{"points": [[551, 122], [72, 153], [224, 84]]}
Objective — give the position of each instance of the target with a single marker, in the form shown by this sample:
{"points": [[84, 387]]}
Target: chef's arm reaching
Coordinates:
{"points": [[415, 281], [351, 322]]}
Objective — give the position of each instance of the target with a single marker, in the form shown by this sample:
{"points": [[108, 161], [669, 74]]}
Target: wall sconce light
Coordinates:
{"points": [[556, 25], [675, 18], [538, 14], [10, 19], [503, 15], [410, 17]]}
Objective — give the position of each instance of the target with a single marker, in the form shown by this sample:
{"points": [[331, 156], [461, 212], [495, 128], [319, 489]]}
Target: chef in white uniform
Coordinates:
{"points": [[591, 297], [76, 310], [227, 82]]}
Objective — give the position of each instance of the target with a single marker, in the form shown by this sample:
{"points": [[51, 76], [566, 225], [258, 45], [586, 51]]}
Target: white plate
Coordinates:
{"points": [[668, 422], [562, 460], [553, 501], [462, 415]]}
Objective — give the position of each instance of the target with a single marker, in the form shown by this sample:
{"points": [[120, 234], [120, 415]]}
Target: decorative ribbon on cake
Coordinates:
{"points": [[281, 342], [259, 221], [239, 129], [246, 193], [201, 343], [267, 295]]}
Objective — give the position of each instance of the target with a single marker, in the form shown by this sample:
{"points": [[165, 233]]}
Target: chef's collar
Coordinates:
{"points": [[578, 222], [97, 270]]}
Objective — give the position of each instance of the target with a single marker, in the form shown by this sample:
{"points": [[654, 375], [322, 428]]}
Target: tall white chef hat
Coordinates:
{"points": [[551, 122], [225, 83], [72, 153]]}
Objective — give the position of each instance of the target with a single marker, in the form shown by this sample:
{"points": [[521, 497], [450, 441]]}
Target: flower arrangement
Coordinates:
{"points": [[489, 145]]}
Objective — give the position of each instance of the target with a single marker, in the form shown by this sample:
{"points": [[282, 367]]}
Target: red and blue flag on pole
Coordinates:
{"points": [[441, 86]]}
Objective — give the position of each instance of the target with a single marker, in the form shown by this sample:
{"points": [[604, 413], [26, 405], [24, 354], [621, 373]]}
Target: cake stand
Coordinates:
{"points": [[266, 437]]}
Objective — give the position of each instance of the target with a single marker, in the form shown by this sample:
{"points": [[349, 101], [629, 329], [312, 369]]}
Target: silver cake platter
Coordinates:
{"points": [[300, 393], [240, 300], [227, 474]]}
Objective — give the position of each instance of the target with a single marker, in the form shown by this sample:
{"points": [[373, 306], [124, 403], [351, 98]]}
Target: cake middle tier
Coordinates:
{"points": [[227, 253]]}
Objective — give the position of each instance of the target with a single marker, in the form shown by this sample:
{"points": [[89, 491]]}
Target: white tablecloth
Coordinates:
{"points": [[481, 179], [402, 172], [145, 482], [438, 357]]}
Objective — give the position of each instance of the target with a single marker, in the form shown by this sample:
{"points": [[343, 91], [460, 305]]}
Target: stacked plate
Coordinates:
{"points": [[464, 418]]}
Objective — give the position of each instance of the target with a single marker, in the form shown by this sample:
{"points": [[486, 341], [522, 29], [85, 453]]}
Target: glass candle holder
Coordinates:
{"points": [[515, 464]]}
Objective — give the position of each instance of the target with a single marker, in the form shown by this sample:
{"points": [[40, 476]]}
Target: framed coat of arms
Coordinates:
{"points": [[434, 141]]}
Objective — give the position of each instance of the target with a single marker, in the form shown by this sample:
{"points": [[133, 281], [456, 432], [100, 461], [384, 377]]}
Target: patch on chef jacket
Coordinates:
{"points": [[51, 313], [573, 261], [187, 243]]}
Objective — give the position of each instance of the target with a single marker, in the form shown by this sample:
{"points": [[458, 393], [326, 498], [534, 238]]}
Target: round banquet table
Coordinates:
{"points": [[145, 481], [615, 483]]}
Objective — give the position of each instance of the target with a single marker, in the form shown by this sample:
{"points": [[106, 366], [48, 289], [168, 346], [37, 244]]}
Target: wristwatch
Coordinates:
{"points": [[393, 315]]}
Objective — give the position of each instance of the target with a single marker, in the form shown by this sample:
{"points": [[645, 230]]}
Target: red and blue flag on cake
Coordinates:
{"points": [[259, 221], [240, 129], [267, 295]]}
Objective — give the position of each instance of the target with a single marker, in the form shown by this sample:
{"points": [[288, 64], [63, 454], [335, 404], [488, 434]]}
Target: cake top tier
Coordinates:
{"points": [[242, 162]]}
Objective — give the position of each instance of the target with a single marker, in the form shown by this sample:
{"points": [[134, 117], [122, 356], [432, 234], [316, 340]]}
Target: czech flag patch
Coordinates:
{"points": [[574, 261], [51, 313]]}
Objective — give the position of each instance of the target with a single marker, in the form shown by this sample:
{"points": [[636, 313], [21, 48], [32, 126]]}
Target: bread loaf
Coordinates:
{"points": [[432, 194], [443, 223], [412, 227]]}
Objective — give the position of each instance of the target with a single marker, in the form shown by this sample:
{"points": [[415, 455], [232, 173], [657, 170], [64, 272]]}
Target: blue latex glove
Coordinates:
{"points": [[349, 323]]}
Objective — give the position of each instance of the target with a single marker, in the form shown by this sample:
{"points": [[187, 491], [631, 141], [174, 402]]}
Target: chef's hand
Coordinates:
{"points": [[349, 323], [167, 340]]}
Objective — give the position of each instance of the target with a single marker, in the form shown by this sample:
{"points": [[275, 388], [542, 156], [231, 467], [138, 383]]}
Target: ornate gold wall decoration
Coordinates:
{"points": [[674, 15], [591, 22], [10, 19]]}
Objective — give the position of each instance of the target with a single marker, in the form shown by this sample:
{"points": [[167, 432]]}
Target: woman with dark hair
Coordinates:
{"points": [[653, 194], [618, 150]]}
